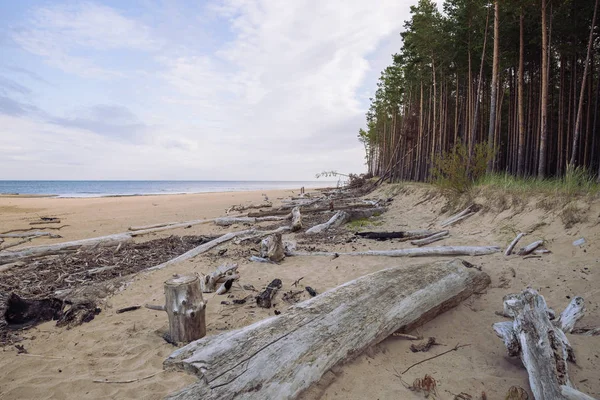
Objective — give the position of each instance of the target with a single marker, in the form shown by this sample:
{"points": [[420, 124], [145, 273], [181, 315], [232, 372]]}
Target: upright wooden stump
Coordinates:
{"points": [[185, 308]]}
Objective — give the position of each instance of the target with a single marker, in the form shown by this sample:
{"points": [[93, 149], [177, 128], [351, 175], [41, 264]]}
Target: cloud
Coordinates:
{"points": [[10, 106], [63, 36]]}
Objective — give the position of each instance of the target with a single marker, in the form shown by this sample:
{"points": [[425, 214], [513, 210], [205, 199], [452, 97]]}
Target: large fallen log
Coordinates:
{"points": [[419, 252], [281, 356], [338, 219], [542, 345], [406, 235], [65, 247], [203, 248]]}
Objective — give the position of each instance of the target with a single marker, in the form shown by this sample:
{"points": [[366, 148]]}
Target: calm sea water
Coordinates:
{"points": [[132, 188]]}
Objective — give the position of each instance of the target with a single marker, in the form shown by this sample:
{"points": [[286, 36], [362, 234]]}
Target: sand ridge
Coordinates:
{"points": [[129, 346]]}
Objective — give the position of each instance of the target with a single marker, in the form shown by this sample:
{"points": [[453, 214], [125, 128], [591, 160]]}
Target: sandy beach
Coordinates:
{"points": [[64, 363]]}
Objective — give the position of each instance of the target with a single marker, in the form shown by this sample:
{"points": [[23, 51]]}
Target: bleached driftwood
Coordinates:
{"points": [[304, 210], [29, 234], [418, 252], [473, 208], [573, 313], [141, 228], [542, 346], [311, 337], [512, 244], [226, 271], [272, 248], [296, 219], [169, 226], [530, 247], [227, 221], [65, 247], [203, 248], [300, 203], [241, 207], [259, 234], [185, 308], [573, 394], [430, 239], [456, 220], [338, 219]]}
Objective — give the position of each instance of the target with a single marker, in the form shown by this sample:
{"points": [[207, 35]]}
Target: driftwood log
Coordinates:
{"points": [[311, 210], [467, 212], [541, 344], [227, 221], [29, 234], [418, 252], [265, 298], [512, 244], [281, 356], [530, 248], [430, 239], [272, 248], [338, 219], [185, 308], [296, 219], [210, 282]]}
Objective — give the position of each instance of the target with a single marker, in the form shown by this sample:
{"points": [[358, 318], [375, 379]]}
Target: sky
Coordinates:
{"points": [[182, 89]]}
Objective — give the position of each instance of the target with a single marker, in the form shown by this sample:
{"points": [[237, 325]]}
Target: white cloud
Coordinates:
{"points": [[281, 96], [61, 34]]}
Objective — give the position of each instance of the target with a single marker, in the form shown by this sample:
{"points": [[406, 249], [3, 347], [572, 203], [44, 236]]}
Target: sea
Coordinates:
{"points": [[141, 188]]}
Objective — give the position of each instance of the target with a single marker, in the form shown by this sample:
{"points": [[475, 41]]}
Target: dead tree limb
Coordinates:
{"points": [[512, 244], [530, 247], [338, 219], [473, 208], [33, 234], [224, 272], [542, 346], [311, 337], [433, 238]]}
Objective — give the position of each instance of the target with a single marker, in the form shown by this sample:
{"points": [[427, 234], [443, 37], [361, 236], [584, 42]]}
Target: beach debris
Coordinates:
{"points": [[405, 235], [46, 220], [292, 296], [296, 219], [455, 348], [249, 287], [530, 248], [406, 336], [298, 333], [155, 307], [297, 282], [413, 252], [425, 385], [424, 346], [428, 240], [516, 393], [240, 301], [227, 221], [265, 298], [289, 247], [185, 309], [338, 219], [261, 260], [106, 380], [311, 291], [225, 286], [579, 242], [272, 248], [286, 211], [222, 274], [541, 343], [466, 213], [242, 207], [21, 349], [30, 234], [127, 309], [512, 244], [587, 331]]}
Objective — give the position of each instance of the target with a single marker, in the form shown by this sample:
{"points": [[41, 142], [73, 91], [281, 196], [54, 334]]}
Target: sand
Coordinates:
{"points": [[64, 363]]}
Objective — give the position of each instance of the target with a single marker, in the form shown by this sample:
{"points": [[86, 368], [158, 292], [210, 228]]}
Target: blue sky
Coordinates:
{"points": [[173, 89]]}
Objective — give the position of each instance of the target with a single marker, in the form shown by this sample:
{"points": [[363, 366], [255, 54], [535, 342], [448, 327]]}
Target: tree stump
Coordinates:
{"points": [[185, 308]]}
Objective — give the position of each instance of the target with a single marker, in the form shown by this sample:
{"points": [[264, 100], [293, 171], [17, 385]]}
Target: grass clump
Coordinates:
{"points": [[456, 171], [362, 223]]}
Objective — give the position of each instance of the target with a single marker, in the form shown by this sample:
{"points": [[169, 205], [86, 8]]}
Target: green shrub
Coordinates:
{"points": [[456, 172]]}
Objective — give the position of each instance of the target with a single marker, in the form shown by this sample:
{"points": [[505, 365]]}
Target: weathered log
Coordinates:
{"points": [[29, 234], [226, 271], [543, 347], [473, 208], [169, 226], [573, 394], [296, 219], [338, 219], [419, 252], [227, 221], [456, 220], [37, 251], [433, 238], [203, 248], [587, 331], [530, 247], [512, 244], [241, 207], [403, 235], [185, 308], [141, 228], [311, 210], [265, 298], [272, 248], [311, 337]]}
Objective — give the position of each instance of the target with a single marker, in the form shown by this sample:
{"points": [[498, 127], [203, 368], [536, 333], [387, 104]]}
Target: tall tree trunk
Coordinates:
{"points": [[544, 97], [494, 88], [582, 92]]}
